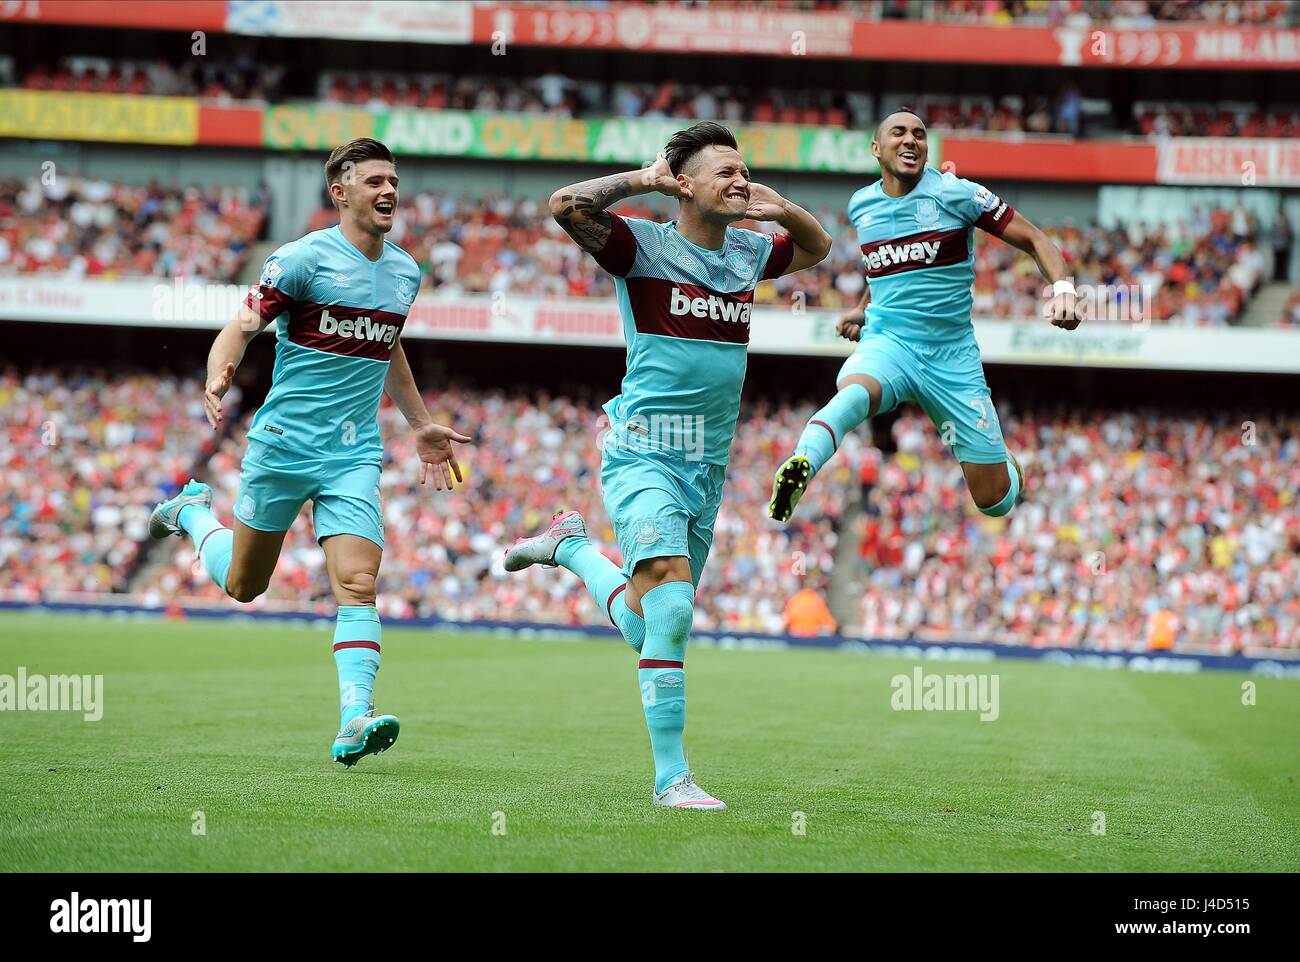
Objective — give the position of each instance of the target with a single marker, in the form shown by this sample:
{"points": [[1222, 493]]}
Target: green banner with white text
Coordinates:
{"points": [[629, 141]]}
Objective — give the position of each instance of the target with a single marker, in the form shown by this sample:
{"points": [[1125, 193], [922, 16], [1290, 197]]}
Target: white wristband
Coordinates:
{"points": [[1064, 287]]}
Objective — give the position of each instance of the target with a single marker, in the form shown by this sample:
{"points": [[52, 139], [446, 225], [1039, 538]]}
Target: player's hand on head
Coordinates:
{"points": [[764, 203], [213, 392], [659, 176], [437, 459]]}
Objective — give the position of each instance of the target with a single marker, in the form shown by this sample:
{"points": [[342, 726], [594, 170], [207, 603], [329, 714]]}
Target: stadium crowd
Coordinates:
{"points": [[1197, 272], [214, 80], [81, 455], [1139, 529], [1136, 527], [531, 458], [1156, 120], [552, 93], [555, 94], [83, 226], [560, 95], [1133, 14]]}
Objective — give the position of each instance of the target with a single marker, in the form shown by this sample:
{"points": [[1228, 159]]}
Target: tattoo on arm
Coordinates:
{"points": [[581, 211]]}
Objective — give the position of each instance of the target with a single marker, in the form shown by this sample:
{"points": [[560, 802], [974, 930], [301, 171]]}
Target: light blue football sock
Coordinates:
{"points": [[212, 542], [1008, 501], [827, 429], [669, 609], [357, 634], [606, 584]]}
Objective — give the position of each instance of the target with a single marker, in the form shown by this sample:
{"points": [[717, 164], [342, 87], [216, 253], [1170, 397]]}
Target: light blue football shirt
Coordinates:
{"points": [[338, 315], [919, 253], [686, 316]]}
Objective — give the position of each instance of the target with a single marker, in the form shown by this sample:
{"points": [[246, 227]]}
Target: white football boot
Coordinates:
{"points": [[166, 517], [540, 550], [684, 793]]}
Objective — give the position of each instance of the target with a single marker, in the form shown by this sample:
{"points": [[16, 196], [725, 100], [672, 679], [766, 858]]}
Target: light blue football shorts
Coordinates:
{"points": [[947, 380], [274, 484], [661, 506]]}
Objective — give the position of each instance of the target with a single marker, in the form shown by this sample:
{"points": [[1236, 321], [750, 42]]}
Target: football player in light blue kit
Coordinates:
{"points": [[685, 291], [916, 230], [338, 298]]}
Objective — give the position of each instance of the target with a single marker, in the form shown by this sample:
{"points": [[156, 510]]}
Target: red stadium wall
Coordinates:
{"points": [[774, 31]]}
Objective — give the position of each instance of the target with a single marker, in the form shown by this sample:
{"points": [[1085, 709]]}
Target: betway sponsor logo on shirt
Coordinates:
{"points": [[712, 306], [351, 331], [886, 254], [915, 252], [361, 328], [676, 309]]}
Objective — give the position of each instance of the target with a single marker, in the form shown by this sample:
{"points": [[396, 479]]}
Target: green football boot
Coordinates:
{"points": [[788, 487]]}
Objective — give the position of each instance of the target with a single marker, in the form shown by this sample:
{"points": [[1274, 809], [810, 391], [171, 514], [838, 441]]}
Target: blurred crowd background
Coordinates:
{"points": [[1061, 111], [1140, 529], [1200, 271], [1169, 522]]}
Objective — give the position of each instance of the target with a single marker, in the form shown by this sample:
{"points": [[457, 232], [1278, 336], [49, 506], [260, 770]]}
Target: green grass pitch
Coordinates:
{"points": [[235, 720]]}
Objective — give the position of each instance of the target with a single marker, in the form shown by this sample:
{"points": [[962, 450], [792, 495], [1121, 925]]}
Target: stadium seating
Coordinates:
{"points": [[1055, 112], [1198, 274], [88, 227], [1156, 119], [195, 77], [1131, 519], [1115, 13], [1135, 523], [82, 454], [533, 457]]}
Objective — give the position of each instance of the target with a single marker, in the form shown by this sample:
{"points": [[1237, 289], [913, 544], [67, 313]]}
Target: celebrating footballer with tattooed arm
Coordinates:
{"points": [[685, 292]]}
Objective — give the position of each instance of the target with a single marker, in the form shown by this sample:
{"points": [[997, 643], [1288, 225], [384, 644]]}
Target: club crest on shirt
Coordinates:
{"points": [[405, 291], [927, 212], [647, 533], [740, 264]]}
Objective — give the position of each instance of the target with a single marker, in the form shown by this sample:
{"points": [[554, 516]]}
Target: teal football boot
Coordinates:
{"points": [[365, 735]]}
